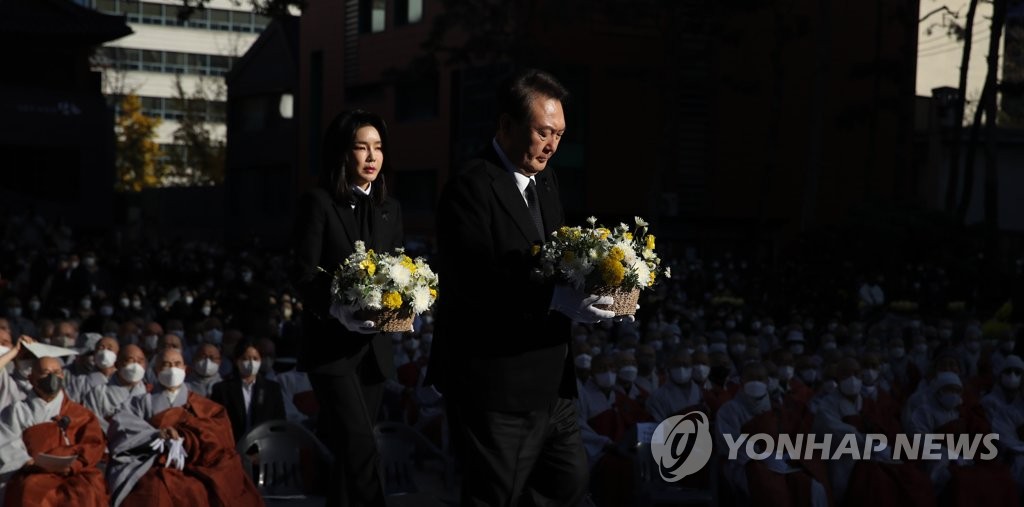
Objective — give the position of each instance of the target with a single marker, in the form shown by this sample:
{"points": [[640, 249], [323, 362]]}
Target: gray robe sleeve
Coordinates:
{"points": [[128, 438], [13, 421]]}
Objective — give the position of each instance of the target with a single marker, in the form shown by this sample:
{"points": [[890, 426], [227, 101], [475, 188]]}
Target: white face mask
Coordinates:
{"points": [[769, 329], [738, 349], [149, 342], [869, 376], [132, 372], [188, 300], [206, 367], [785, 373], [171, 378], [583, 361], [628, 373], [104, 359], [797, 349], [249, 367], [206, 311], [700, 372], [1011, 380], [850, 386], [680, 374], [4, 350], [605, 380], [773, 384], [755, 389]]}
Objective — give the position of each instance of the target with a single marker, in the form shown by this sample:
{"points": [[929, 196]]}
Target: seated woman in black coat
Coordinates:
{"points": [[249, 398]]}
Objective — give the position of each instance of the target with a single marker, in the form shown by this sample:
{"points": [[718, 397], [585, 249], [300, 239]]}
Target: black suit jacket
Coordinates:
{"points": [[267, 403], [324, 234], [496, 345]]}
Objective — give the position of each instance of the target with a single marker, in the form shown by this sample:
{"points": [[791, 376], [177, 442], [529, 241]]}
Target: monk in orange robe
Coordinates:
{"points": [[49, 423], [173, 447]]}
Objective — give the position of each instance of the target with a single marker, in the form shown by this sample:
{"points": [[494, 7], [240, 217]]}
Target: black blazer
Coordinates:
{"points": [[324, 234], [496, 344], [267, 403]]}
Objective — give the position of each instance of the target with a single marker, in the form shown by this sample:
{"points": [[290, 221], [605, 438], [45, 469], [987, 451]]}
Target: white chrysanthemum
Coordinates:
{"points": [[648, 254], [642, 271], [360, 247], [640, 222], [420, 299], [591, 220], [400, 274], [373, 299], [577, 272], [668, 272]]}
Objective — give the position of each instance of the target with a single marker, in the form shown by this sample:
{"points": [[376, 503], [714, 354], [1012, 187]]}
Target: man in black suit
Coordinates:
{"points": [[347, 359], [501, 349]]}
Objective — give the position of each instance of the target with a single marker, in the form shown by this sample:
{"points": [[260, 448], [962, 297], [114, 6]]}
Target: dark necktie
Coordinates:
{"points": [[534, 205], [364, 215]]}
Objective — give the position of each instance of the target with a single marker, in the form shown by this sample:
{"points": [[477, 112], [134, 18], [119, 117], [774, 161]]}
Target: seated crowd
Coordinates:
{"points": [[178, 350]]}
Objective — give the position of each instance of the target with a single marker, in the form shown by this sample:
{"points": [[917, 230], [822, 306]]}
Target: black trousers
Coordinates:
{"points": [[348, 412], [520, 458]]}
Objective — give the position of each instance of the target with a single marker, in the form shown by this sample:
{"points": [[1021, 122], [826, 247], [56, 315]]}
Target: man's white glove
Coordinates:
{"points": [[157, 445], [176, 454], [579, 306], [346, 315]]}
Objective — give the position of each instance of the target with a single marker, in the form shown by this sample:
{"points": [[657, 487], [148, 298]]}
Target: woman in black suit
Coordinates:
{"points": [[347, 359], [249, 398]]}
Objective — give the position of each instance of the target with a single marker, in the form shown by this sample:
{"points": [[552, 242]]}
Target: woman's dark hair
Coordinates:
{"points": [[516, 92], [243, 346], [338, 140]]}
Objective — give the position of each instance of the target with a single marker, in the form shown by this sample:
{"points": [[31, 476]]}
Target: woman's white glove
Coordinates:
{"points": [[346, 315], [579, 306]]}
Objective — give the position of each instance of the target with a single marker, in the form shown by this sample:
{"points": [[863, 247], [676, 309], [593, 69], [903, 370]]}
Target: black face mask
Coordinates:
{"points": [[50, 384], [718, 374]]}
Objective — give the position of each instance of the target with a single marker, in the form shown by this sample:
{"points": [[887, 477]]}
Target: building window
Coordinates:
{"points": [[372, 15], [152, 14], [408, 12]]}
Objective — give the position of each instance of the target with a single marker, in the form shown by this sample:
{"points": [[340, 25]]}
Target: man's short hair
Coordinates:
{"points": [[516, 92]]}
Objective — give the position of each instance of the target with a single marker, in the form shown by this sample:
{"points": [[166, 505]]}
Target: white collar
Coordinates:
{"points": [[357, 188]]}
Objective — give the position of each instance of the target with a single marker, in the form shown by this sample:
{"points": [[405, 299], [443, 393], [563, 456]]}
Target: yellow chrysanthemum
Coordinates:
{"points": [[369, 266], [628, 236], [433, 293], [391, 300], [535, 250], [408, 263], [612, 272], [650, 282], [616, 254], [650, 242], [603, 233]]}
